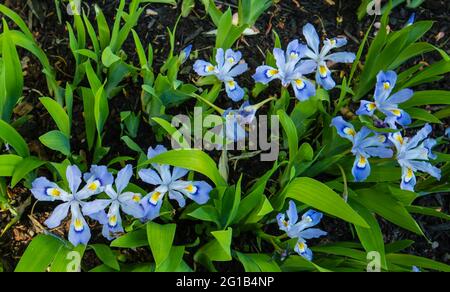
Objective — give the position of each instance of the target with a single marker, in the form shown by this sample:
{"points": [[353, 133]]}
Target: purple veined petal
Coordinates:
{"points": [[292, 212], [306, 67], [234, 91], [280, 58], [123, 178], [96, 206], [401, 96], [73, 175], [341, 57], [312, 233], [220, 57], [343, 128], [150, 176], [408, 179], [361, 168], [303, 89], [238, 70], [312, 38], [265, 74], [323, 77], [45, 190], [59, 214], [204, 68], [177, 196], [385, 84], [79, 232], [367, 108]]}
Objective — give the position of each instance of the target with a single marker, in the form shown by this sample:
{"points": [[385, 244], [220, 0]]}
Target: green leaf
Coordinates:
{"points": [[230, 203], [101, 109], [68, 258], [58, 114], [371, 238], [428, 212], [206, 213], [13, 138], [39, 254], [321, 197], [133, 239], [428, 97], [8, 163], [57, 141], [160, 239], [106, 255], [412, 260], [26, 166], [173, 261], [192, 159], [258, 263], [384, 205]]}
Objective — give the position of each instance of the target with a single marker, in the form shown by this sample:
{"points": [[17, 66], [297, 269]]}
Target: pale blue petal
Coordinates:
{"points": [[177, 196], [264, 74], [303, 89], [325, 80], [341, 57], [401, 96], [201, 195], [381, 152], [40, 189], [178, 173], [295, 51], [238, 70], [343, 128], [204, 68], [123, 178], [234, 91], [408, 180], [421, 135], [150, 176], [427, 167], [79, 232], [385, 84], [282, 224], [429, 144], [361, 168], [312, 233], [96, 206], [73, 175], [220, 57], [312, 38], [279, 57], [366, 108], [306, 67], [292, 213], [59, 214], [100, 173]]}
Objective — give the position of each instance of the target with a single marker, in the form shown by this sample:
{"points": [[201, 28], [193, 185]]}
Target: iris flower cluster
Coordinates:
{"points": [[301, 230], [412, 154], [107, 210]]}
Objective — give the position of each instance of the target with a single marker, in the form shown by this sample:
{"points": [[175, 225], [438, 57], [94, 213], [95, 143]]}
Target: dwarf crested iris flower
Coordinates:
{"points": [[44, 190], [323, 74], [413, 155], [385, 103], [228, 67], [366, 144], [185, 54], [168, 181], [301, 229], [236, 120], [290, 70], [129, 202]]}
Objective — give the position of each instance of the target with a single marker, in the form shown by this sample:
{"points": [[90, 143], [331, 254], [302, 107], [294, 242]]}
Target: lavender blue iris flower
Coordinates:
{"points": [[290, 69], [44, 190], [387, 103], [301, 230], [411, 19], [236, 120], [185, 53], [228, 67], [128, 202], [320, 57], [414, 154], [366, 144], [168, 181]]}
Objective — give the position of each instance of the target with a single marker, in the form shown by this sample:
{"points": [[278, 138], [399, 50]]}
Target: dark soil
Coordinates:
{"points": [[286, 19]]}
